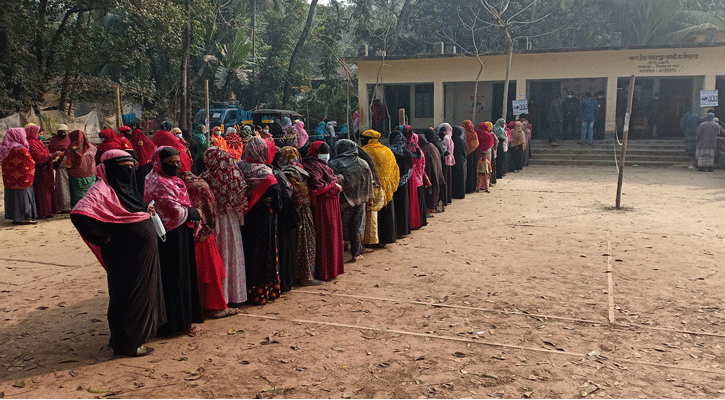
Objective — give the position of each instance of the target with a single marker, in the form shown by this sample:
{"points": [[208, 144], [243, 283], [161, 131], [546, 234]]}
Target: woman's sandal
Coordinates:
{"points": [[193, 331], [140, 352], [227, 312]]}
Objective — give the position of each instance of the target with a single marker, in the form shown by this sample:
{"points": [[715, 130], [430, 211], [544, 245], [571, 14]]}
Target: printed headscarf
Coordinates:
{"points": [[319, 133], [258, 176], [201, 144], [235, 144], [471, 136], [418, 163], [169, 192], [291, 162], [80, 156], [357, 185], [226, 181], [403, 156], [518, 134], [387, 167]]}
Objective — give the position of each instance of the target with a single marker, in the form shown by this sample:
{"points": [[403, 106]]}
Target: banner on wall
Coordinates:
{"points": [[709, 98], [520, 107]]}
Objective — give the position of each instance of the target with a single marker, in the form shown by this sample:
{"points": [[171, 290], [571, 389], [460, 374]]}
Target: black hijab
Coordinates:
{"points": [[436, 141], [123, 181]]}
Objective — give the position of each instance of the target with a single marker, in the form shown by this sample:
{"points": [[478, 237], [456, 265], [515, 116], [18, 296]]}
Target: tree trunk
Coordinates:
{"points": [[183, 114], [475, 93], [254, 37], [508, 76], [296, 54], [402, 17], [70, 66]]}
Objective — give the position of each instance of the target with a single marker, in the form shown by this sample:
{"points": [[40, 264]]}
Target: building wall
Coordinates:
{"points": [[700, 63]]}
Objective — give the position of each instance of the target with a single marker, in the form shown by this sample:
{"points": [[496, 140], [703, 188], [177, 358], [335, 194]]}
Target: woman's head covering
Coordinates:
{"points": [[319, 133], [322, 178], [471, 137], [14, 137], [357, 185], [246, 132], [79, 144], [110, 141], [166, 126], [142, 146], [165, 138], [445, 132], [169, 192], [302, 136], [258, 176], [58, 143], [290, 156], [385, 162], [434, 139], [485, 139], [517, 133], [32, 132], [499, 129], [286, 122], [226, 181], [235, 144], [418, 162], [511, 125], [460, 149], [114, 198], [397, 142], [230, 130], [201, 143], [317, 148]]}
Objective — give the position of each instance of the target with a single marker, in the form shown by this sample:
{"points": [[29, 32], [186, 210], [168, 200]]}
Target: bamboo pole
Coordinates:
{"points": [[625, 139], [208, 117], [401, 116], [119, 116]]}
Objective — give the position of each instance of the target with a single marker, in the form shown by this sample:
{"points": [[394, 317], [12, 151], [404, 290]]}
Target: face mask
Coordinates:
{"points": [[324, 157], [170, 169], [569, 96], [127, 134]]}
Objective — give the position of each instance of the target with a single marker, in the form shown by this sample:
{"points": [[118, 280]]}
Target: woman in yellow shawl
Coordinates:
{"points": [[472, 157], [380, 224]]}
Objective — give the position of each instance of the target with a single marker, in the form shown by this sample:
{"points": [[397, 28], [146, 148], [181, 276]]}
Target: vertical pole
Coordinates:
{"points": [[624, 142], [119, 116], [208, 117], [401, 116]]}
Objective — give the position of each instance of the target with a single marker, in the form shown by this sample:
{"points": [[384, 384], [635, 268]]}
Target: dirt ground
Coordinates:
{"points": [[505, 295]]}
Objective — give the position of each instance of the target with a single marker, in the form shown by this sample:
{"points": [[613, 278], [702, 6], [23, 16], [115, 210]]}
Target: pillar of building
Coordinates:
{"points": [[610, 126], [438, 101]]}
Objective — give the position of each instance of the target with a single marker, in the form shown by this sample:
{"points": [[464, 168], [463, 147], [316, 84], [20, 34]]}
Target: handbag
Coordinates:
{"points": [[158, 225]]}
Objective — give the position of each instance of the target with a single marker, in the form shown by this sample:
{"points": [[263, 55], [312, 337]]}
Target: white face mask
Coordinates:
{"points": [[324, 157], [569, 96]]}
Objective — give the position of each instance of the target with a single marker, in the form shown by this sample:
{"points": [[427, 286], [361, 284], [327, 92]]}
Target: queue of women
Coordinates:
{"points": [[245, 220]]}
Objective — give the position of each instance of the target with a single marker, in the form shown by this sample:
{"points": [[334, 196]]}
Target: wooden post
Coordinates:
{"points": [[119, 115], [401, 116], [625, 138], [208, 117]]}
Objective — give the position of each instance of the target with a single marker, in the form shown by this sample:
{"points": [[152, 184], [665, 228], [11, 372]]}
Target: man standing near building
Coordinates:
{"points": [[572, 111], [656, 116], [554, 118], [601, 116], [589, 108]]}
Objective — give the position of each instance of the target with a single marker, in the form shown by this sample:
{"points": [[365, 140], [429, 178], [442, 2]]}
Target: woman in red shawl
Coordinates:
{"points": [[416, 189], [144, 149], [44, 182], [18, 170], [115, 222], [80, 159], [178, 261], [325, 198], [165, 138], [259, 232], [59, 143], [209, 263], [483, 165]]}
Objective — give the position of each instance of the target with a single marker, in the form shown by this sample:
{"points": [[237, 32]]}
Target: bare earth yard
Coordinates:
{"points": [[505, 295]]}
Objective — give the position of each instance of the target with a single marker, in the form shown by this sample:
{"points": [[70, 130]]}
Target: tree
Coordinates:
{"points": [[296, 53]]}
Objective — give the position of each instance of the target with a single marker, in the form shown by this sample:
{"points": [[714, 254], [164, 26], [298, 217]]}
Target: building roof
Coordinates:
{"points": [[540, 51]]}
